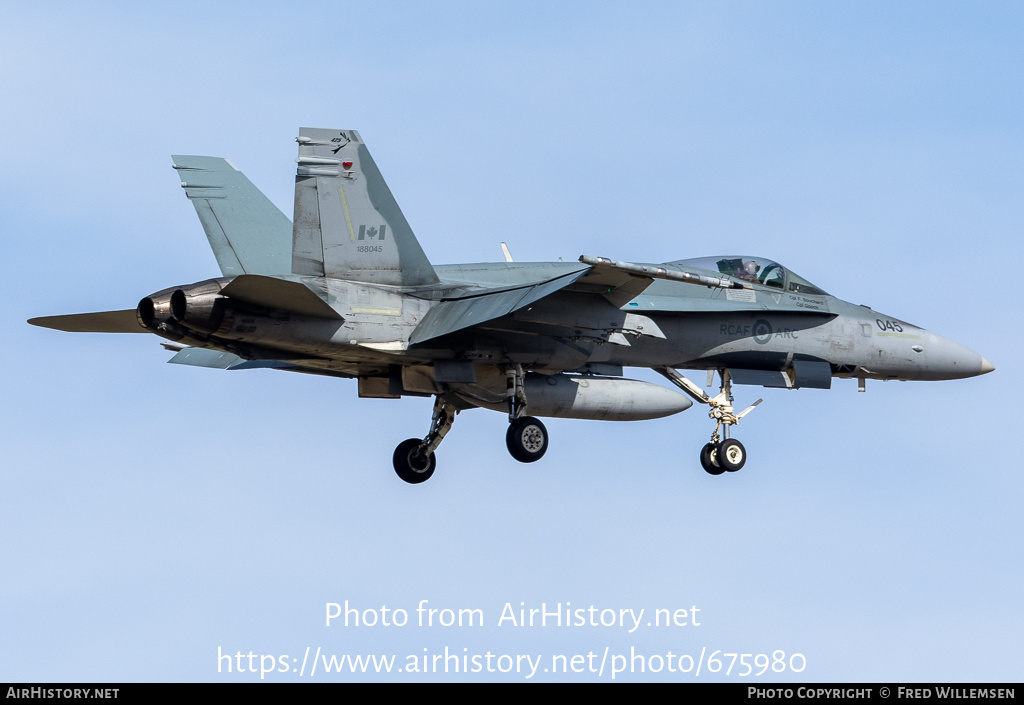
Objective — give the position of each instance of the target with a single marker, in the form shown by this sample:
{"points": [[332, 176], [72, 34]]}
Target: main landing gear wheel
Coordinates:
{"points": [[527, 439], [414, 459], [411, 463]]}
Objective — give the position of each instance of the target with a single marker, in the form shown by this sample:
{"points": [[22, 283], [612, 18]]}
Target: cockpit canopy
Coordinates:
{"points": [[755, 270]]}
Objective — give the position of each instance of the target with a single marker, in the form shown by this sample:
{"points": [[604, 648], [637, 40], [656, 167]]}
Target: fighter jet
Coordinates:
{"points": [[347, 291]]}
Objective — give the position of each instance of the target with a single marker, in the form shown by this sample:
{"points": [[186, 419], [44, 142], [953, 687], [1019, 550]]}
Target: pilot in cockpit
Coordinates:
{"points": [[749, 271]]}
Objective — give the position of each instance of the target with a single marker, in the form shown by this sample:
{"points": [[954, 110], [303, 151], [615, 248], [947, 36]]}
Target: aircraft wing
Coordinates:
{"points": [[619, 287], [103, 322], [455, 314], [625, 285]]}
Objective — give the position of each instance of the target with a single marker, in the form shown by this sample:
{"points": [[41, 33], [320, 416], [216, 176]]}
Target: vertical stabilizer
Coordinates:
{"points": [[248, 233], [347, 223]]}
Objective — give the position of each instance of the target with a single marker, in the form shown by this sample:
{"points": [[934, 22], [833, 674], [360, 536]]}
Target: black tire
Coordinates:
{"points": [[731, 455], [411, 465], [527, 439], [708, 458]]}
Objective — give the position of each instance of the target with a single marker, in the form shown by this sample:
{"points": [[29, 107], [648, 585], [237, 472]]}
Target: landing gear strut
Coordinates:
{"points": [[414, 459], [526, 438], [722, 454]]}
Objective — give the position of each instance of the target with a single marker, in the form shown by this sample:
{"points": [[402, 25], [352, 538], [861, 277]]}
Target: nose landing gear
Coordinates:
{"points": [[727, 456], [720, 455]]}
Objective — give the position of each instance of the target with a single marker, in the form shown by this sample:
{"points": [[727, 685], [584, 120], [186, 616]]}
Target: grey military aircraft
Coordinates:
{"points": [[347, 291]]}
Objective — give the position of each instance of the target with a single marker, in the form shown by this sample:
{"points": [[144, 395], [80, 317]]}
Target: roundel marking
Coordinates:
{"points": [[762, 331]]}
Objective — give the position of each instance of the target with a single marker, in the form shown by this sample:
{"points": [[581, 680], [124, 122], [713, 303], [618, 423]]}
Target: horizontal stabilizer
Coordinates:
{"points": [[248, 233], [104, 322], [279, 294]]}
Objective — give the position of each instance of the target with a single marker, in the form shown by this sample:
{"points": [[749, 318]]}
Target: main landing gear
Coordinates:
{"points": [[722, 454], [527, 439], [414, 460]]}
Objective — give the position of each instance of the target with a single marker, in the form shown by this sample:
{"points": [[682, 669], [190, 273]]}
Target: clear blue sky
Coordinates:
{"points": [[151, 514]]}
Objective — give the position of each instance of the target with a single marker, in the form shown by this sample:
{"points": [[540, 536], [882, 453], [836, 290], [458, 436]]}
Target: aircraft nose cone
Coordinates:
{"points": [[951, 360]]}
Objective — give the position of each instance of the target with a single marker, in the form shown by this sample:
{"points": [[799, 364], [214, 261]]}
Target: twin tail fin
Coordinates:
{"points": [[347, 224]]}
